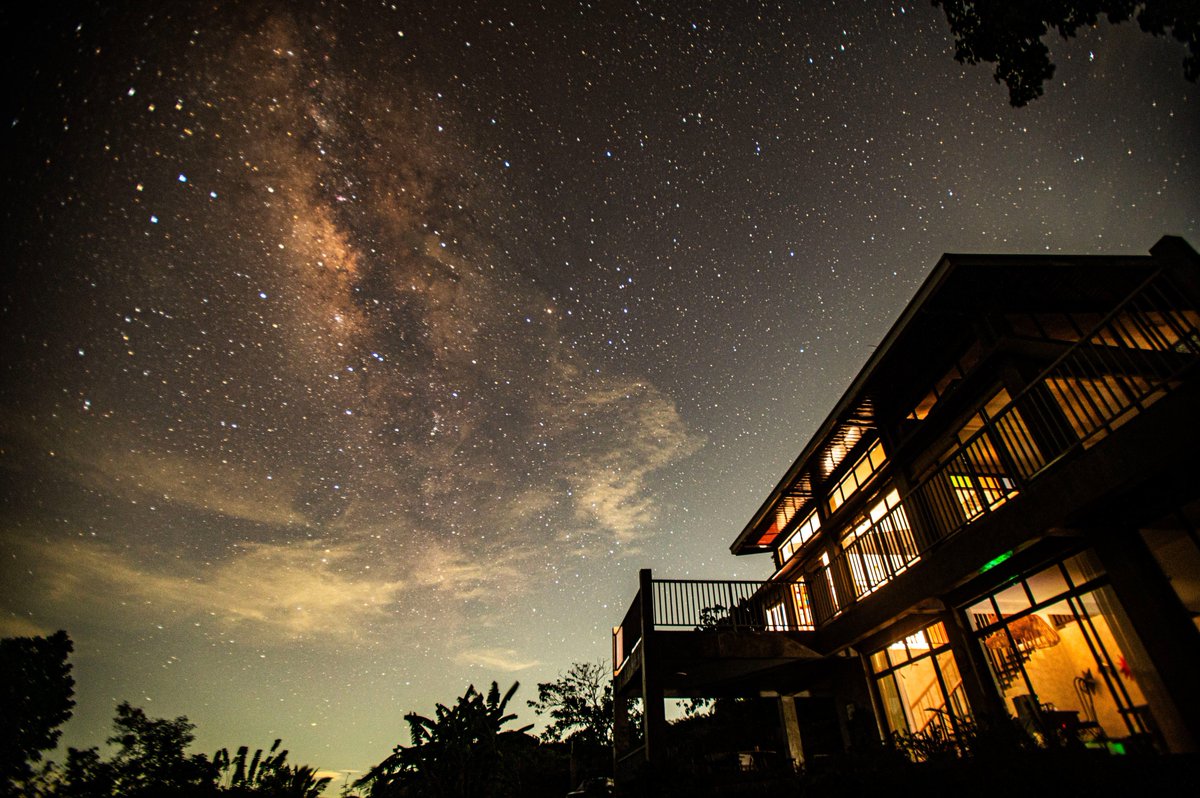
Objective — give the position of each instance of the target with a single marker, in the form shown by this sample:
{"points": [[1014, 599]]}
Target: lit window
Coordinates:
{"points": [[880, 545], [833, 594], [917, 642], [804, 616], [777, 618], [799, 537], [867, 466], [920, 685]]}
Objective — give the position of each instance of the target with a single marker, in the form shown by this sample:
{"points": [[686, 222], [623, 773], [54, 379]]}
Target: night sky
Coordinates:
{"points": [[354, 353]]}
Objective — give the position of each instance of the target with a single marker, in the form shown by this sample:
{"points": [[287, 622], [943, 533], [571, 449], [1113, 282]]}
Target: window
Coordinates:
{"points": [[777, 620], [804, 617], [880, 545], [1094, 406], [821, 590], [854, 479], [1064, 656], [974, 468], [1146, 329], [799, 537], [919, 682]]}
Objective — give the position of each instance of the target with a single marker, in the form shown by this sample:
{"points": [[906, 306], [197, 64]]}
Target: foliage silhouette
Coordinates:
{"points": [[270, 776], [152, 759], [580, 704], [85, 775], [580, 707], [1008, 33], [36, 692], [462, 752]]}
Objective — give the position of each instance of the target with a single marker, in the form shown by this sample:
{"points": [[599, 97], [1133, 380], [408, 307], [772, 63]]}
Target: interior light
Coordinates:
{"points": [[992, 563]]}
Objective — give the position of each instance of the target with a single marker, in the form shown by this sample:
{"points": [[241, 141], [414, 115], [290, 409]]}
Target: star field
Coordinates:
{"points": [[359, 351]]}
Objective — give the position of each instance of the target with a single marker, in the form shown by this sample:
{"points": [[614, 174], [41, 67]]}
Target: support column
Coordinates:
{"points": [[654, 719], [622, 728], [790, 722], [1162, 624], [985, 700]]}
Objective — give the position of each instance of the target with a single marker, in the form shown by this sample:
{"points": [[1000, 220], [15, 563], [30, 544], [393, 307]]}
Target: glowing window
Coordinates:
{"points": [[920, 683], [854, 479], [880, 545], [804, 618], [799, 537], [777, 620]]}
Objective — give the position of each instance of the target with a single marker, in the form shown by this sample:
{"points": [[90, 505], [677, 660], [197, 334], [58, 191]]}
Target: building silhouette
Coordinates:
{"points": [[998, 519]]}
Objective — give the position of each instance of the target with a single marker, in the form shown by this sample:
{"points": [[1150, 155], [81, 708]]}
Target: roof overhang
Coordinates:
{"points": [[968, 285]]}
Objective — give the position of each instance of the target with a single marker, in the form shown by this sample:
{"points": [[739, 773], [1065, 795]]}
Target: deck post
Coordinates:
{"points": [[1164, 629], [654, 720]]}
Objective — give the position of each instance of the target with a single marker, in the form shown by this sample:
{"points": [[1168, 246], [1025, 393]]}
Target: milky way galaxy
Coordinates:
{"points": [[359, 352]]}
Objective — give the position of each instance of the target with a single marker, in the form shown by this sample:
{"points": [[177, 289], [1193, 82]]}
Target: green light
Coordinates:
{"points": [[992, 563]]}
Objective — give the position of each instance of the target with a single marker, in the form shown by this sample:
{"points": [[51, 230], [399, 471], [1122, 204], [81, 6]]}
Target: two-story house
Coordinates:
{"points": [[997, 519]]}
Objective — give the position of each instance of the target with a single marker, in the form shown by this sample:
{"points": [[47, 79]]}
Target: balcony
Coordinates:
{"points": [[702, 639], [713, 621], [1138, 354]]}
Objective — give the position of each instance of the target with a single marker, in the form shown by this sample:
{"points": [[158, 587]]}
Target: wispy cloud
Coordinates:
{"points": [[494, 659], [297, 590], [122, 467], [212, 487], [465, 574], [644, 434], [16, 626]]}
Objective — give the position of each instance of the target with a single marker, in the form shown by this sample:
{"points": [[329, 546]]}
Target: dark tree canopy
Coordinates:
{"points": [[36, 692], [151, 761], [462, 752], [152, 756], [1009, 33], [268, 775], [580, 705]]}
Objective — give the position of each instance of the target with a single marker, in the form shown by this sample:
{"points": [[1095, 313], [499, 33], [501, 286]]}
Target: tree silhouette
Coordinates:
{"points": [[85, 775], [36, 692], [1008, 33], [462, 752], [269, 777], [151, 759], [580, 704]]}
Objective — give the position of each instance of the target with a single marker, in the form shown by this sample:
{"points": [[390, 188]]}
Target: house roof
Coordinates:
{"points": [[934, 328]]}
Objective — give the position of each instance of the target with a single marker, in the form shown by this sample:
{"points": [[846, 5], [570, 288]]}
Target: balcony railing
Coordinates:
{"points": [[1136, 355], [714, 605], [748, 605]]}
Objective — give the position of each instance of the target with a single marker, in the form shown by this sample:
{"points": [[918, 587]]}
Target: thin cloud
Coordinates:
{"points": [[495, 659], [15, 626], [295, 591], [127, 471], [467, 575], [641, 433]]}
